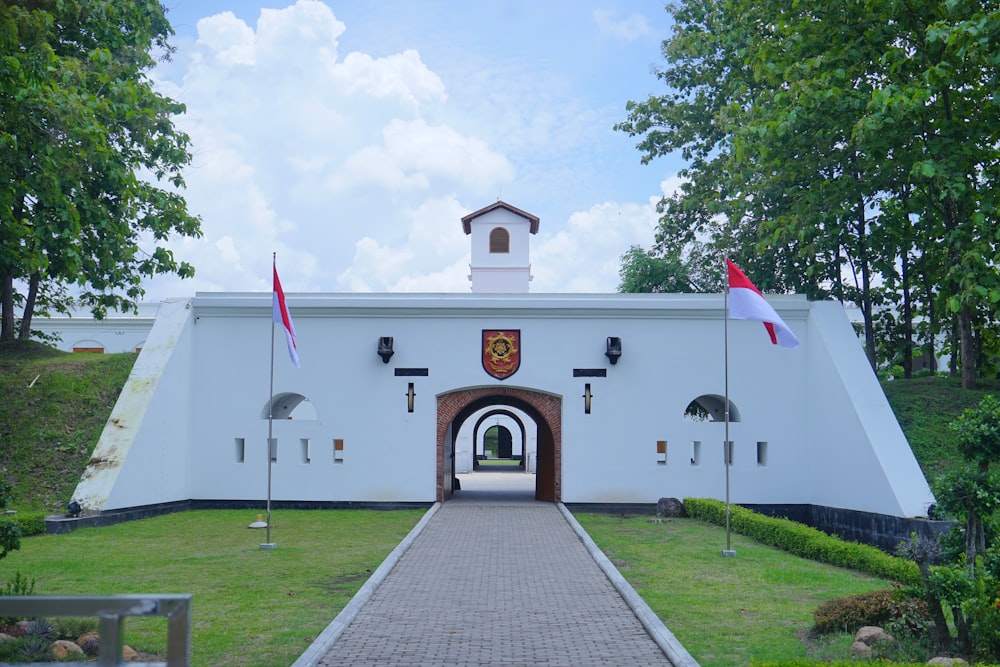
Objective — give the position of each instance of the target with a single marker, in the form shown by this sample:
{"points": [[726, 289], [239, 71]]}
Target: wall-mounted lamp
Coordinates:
{"points": [[586, 398], [385, 348], [410, 395], [614, 349]]}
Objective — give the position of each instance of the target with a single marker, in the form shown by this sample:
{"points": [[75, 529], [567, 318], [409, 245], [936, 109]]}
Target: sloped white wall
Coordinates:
{"points": [[143, 454]]}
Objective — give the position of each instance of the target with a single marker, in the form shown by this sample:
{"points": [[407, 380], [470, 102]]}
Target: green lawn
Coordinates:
{"points": [[250, 606], [259, 607], [725, 611]]}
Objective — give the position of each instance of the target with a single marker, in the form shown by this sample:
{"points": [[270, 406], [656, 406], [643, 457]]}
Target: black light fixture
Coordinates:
{"points": [[385, 348], [74, 510], [586, 398], [614, 349], [410, 395]]}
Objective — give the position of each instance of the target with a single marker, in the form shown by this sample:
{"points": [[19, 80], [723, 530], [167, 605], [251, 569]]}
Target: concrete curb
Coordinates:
{"points": [[665, 639], [321, 645]]}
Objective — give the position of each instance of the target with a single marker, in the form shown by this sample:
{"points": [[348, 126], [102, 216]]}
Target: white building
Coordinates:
{"points": [[396, 390]]}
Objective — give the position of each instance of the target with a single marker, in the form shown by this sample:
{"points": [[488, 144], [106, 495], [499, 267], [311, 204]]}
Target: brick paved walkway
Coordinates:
{"points": [[506, 582]]}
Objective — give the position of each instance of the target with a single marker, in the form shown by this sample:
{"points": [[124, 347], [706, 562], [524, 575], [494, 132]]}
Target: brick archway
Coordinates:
{"points": [[454, 407]]}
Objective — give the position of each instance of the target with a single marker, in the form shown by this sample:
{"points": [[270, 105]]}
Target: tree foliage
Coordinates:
{"points": [[847, 149], [90, 161], [646, 272]]}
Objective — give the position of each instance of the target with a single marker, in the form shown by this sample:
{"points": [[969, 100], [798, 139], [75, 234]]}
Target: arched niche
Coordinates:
{"points": [[711, 408], [289, 405]]}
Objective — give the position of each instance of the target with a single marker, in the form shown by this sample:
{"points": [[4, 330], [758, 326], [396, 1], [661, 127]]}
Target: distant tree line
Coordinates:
{"points": [[90, 161], [842, 149]]}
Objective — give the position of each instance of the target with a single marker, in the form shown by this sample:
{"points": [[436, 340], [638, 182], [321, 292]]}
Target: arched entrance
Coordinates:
{"points": [[481, 428], [545, 409]]}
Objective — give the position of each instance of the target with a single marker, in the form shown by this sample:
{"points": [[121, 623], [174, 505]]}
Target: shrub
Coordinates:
{"points": [[881, 607], [19, 585], [30, 523], [805, 541]]}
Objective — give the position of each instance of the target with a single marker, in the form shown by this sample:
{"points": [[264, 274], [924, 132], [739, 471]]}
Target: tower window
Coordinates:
{"points": [[499, 240]]}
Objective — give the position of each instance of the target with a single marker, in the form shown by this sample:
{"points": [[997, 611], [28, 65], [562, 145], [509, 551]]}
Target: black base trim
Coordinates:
{"points": [[879, 530]]}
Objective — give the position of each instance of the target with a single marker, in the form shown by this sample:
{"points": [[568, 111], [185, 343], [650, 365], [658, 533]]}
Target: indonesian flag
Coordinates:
{"points": [[279, 313], [747, 303]]}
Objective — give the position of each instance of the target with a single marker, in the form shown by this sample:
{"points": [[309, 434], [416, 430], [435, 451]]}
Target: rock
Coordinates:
{"points": [[860, 650], [128, 653], [671, 507], [4, 637], [90, 642], [63, 648], [941, 660], [871, 634]]}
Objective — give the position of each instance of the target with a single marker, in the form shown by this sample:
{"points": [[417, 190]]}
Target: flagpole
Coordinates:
{"points": [[726, 451], [268, 544]]}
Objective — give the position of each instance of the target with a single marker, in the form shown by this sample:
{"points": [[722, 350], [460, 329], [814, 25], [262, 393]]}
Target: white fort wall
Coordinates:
{"points": [[826, 434]]}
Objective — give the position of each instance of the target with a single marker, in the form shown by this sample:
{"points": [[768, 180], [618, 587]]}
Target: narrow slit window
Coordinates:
{"points": [[304, 443], [762, 453], [338, 450], [661, 452], [241, 450], [696, 453]]}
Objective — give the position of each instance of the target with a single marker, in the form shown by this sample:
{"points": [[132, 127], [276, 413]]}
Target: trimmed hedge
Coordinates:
{"points": [[804, 541], [30, 523]]}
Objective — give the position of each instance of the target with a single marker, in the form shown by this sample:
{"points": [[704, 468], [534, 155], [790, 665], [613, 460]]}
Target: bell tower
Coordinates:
{"points": [[500, 240]]}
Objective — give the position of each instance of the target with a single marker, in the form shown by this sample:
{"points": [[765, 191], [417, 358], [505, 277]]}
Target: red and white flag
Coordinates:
{"points": [[279, 313], [747, 303]]}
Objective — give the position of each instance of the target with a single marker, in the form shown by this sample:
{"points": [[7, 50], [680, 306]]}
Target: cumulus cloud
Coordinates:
{"points": [[356, 168]]}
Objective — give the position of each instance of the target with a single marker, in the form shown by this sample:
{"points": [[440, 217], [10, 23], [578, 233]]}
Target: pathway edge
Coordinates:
{"points": [[321, 645], [665, 639]]}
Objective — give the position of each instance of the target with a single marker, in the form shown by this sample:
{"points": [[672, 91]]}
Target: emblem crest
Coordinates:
{"points": [[501, 352]]}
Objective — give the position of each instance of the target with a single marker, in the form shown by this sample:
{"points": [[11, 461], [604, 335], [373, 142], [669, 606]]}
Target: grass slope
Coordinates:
{"points": [[54, 408], [924, 407]]}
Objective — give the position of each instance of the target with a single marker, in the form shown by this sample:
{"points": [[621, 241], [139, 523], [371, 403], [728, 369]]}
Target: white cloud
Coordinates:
{"points": [[630, 28], [357, 169], [584, 256]]}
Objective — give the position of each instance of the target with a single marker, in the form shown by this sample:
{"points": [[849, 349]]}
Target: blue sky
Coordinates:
{"points": [[351, 137]]}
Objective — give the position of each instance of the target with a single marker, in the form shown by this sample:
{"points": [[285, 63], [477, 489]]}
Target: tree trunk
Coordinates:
{"points": [[907, 319], [940, 632], [29, 306], [955, 352], [932, 325], [7, 306], [866, 287], [967, 345]]}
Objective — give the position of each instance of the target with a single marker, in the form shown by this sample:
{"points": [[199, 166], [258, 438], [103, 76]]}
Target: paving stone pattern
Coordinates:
{"points": [[496, 584]]}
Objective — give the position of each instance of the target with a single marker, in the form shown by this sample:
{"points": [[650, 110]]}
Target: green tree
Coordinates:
{"points": [[645, 272], [843, 144], [90, 161]]}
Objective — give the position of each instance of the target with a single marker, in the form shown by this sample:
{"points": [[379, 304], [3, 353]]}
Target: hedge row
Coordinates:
{"points": [[30, 523], [804, 541]]}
